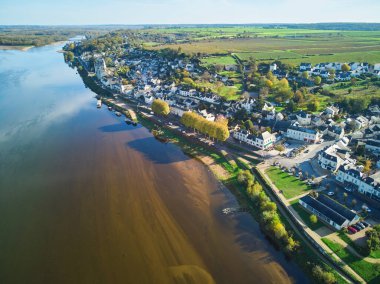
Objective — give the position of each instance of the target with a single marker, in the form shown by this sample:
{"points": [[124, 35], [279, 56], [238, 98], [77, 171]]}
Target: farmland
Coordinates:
{"points": [[288, 45]]}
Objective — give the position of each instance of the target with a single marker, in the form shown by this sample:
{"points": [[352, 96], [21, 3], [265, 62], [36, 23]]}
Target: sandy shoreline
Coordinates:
{"points": [[16, 47]]}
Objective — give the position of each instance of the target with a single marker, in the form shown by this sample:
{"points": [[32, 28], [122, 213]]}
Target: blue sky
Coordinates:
{"points": [[57, 12]]}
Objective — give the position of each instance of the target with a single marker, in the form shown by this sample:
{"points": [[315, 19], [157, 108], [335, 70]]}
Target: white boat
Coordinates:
{"points": [[118, 113], [99, 104]]}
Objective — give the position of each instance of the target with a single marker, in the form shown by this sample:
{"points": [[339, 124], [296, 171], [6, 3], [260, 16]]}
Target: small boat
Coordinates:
{"points": [[134, 123], [127, 121], [118, 113], [110, 108], [99, 104]]}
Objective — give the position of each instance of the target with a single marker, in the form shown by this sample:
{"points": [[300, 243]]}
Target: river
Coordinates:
{"points": [[85, 198]]}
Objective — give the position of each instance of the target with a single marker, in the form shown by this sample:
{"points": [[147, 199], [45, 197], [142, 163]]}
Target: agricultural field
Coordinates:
{"points": [[221, 60], [288, 45]]}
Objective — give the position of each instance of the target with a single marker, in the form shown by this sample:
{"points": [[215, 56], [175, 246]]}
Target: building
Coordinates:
{"points": [[329, 211], [354, 180], [305, 67], [335, 131], [262, 141], [373, 146], [331, 158], [303, 118], [303, 134]]}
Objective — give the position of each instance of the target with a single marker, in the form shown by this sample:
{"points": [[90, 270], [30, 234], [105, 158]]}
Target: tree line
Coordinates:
{"points": [[272, 225], [217, 130]]}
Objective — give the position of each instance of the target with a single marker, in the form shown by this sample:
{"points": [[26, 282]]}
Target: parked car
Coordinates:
{"points": [[366, 208], [330, 193], [360, 225], [348, 189], [357, 228], [352, 230], [366, 224]]}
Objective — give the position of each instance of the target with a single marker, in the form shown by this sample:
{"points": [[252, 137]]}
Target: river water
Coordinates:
{"points": [[85, 198]]}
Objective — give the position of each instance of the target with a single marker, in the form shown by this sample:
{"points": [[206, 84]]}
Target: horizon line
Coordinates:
{"points": [[195, 24]]}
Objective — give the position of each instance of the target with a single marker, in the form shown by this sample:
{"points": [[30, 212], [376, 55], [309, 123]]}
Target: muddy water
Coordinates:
{"points": [[85, 198]]}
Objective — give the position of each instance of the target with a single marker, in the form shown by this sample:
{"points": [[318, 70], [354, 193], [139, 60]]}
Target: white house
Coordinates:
{"points": [[273, 67], [262, 141], [361, 122], [331, 158], [303, 118], [352, 179], [303, 134]]}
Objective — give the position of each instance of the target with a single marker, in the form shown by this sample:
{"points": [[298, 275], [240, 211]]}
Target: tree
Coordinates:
{"points": [[160, 107], [291, 106], [317, 80], [298, 97], [346, 67], [313, 219], [313, 105], [353, 202], [305, 74], [69, 56], [367, 166], [279, 148], [323, 276], [264, 91], [249, 125], [345, 195]]}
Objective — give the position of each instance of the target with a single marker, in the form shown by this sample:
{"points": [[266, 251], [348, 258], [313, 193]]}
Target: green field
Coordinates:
{"points": [[290, 185], [221, 60], [289, 45], [368, 271]]}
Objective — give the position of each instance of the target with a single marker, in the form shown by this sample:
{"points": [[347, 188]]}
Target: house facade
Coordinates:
{"points": [[303, 134]]}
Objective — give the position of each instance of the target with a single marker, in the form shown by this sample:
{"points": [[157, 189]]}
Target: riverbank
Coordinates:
{"points": [[223, 167], [16, 47]]}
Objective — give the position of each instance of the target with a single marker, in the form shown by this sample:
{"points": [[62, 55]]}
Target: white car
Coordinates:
{"points": [[330, 193], [366, 208]]}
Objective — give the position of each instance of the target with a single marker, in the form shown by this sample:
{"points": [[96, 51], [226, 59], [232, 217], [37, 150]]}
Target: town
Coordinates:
{"points": [[320, 159]]}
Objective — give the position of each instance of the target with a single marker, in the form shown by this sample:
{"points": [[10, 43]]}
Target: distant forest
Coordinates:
{"points": [[43, 35]]}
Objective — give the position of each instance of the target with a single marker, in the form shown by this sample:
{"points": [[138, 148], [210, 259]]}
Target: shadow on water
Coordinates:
{"points": [[118, 127], [158, 152]]}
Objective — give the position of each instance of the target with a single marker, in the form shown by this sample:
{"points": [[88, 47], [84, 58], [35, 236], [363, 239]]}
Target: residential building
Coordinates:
{"points": [[354, 180], [303, 134], [329, 211]]}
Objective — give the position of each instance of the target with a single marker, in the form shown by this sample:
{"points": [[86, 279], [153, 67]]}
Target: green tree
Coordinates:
{"points": [[69, 56], [317, 80], [313, 219], [367, 166], [313, 105], [160, 107], [305, 74], [346, 67], [323, 276]]}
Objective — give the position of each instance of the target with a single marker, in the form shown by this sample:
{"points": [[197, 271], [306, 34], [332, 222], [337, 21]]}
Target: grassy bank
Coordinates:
{"points": [[370, 272]]}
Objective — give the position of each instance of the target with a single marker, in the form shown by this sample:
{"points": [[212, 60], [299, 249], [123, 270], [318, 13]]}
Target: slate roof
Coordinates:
{"points": [[324, 209], [340, 209]]}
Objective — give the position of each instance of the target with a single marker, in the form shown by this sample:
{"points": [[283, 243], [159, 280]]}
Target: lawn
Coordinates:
{"points": [[306, 217], [290, 185], [368, 271]]}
